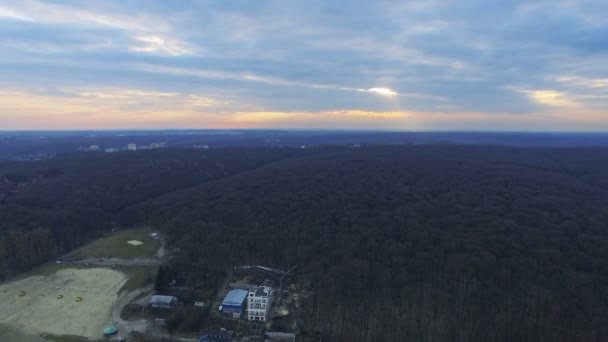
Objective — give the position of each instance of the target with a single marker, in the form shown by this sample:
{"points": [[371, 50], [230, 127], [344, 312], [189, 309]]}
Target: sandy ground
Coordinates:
{"points": [[40, 311], [135, 242]]}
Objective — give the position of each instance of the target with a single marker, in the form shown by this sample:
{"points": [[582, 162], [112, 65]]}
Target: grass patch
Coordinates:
{"points": [[139, 277], [116, 246]]}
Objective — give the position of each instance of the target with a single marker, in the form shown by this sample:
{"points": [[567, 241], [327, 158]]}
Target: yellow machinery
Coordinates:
{"points": [[79, 299]]}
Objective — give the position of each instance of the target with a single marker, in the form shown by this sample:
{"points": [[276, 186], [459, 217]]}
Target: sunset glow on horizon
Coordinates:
{"points": [[415, 65]]}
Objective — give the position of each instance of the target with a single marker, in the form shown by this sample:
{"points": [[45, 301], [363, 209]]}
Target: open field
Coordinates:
{"points": [[118, 246], [42, 310]]}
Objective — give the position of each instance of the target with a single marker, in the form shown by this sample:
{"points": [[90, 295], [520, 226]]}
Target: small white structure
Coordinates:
{"points": [[259, 301], [164, 302], [132, 147]]}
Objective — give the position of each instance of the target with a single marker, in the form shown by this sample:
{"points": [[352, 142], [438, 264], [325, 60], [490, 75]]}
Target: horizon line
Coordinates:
{"points": [[306, 130]]}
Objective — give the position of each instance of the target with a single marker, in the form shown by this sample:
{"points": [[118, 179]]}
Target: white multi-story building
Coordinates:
{"points": [[132, 147], [259, 301]]}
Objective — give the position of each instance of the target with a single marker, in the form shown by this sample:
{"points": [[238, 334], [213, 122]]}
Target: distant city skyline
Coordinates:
{"points": [[468, 65]]}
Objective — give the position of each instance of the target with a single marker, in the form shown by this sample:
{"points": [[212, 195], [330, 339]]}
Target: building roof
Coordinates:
{"points": [[262, 291], [162, 299], [235, 297], [215, 337], [280, 337]]}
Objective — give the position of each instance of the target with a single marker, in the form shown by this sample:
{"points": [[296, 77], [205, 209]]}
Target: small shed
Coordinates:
{"points": [[233, 302], [165, 302]]}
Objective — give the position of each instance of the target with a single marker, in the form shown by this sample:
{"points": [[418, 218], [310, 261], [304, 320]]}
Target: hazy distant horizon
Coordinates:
{"points": [[306, 130]]}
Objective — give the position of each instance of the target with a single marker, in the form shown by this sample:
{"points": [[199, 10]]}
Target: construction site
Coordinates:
{"points": [[81, 295], [105, 292], [69, 302]]}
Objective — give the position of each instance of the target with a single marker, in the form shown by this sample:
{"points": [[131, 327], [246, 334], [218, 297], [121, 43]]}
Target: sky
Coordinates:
{"points": [[304, 64]]}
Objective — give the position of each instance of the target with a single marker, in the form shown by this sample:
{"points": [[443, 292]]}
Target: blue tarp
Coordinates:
{"points": [[110, 331]]}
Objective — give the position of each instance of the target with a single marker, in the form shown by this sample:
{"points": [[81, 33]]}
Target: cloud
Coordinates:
{"points": [[117, 93], [107, 108], [9, 13], [550, 98], [57, 13], [317, 59], [91, 100], [157, 44], [252, 77], [382, 91], [147, 32], [142, 108], [584, 82]]}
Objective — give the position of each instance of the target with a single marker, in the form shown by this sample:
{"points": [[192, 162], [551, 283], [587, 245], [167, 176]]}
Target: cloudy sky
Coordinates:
{"points": [[398, 65]]}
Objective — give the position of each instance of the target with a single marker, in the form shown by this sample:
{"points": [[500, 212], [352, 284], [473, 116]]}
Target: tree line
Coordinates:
{"points": [[75, 198], [429, 243], [400, 243]]}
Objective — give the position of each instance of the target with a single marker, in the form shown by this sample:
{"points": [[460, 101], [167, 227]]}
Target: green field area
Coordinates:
{"points": [[139, 277], [9, 333], [117, 246]]}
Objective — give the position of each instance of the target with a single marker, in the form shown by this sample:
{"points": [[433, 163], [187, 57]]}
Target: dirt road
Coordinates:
{"points": [[118, 261], [127, 327]]}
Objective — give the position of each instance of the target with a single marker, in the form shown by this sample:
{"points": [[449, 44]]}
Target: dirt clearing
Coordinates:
{"points": [[49, 304]]}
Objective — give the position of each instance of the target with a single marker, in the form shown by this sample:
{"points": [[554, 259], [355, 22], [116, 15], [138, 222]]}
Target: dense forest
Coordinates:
{"points": [[58, 204], [401, 243]]}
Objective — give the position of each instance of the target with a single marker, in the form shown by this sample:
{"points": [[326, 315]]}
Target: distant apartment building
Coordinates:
{"points": [[132, 147], [259, 301]]}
